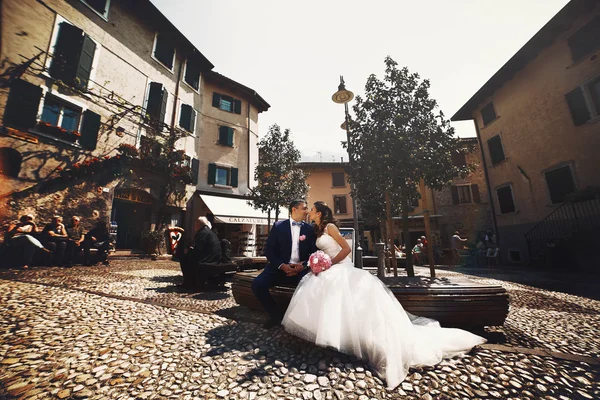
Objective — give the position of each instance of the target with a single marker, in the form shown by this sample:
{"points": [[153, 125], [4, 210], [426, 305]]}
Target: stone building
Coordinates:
{"points": [[464, 206], [85, 83], [537, 124]]}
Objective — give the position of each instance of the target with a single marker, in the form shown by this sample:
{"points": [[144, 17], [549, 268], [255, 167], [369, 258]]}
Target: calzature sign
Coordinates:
{"points": [[243, 220]]}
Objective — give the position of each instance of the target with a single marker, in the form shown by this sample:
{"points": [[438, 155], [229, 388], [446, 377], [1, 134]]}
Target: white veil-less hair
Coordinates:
{"points": [[205, 222]]}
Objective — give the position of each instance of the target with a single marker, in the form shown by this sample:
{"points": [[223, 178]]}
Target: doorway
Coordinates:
{"points": [[132, 212]]}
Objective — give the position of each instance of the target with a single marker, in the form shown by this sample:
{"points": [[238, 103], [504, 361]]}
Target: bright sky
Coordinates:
{"points": [[292, 53]]}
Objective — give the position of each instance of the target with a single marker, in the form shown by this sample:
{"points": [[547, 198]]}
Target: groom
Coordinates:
{"points": [[289, 245]]}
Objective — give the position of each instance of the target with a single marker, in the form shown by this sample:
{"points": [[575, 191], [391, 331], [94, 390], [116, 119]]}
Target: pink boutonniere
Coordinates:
{"points": [[302, 237]]}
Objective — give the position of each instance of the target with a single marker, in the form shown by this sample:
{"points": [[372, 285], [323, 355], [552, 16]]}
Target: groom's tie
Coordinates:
{"points": [[294, 223]]}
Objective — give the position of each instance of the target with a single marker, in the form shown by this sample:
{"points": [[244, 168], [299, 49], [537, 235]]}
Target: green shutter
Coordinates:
{"points": [[163, 106], [154, 100], [230, 137], [86, 59], [237, 106], [89, 130], [22, 105], [68, 46], [223, 135], [454, 190], [212, 173], [234, 177], [216, 100], [578, 106], [192, 120], [185, 117], [195, 170]]}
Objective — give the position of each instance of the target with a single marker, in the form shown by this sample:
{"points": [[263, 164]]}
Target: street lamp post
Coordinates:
{"points": [[343, 96]]}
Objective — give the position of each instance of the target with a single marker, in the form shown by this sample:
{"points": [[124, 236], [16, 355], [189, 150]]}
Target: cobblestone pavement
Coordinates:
{"points": [[126, 331]]}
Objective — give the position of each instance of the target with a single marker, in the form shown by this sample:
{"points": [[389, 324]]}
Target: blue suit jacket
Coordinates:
{"points": [[279, 244]]}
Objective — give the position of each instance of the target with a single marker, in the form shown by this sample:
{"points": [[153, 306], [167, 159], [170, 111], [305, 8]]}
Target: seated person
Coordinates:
{"points": [[206, 250], [416, 252], [76, 238], [97, 238], [55, 238], [20, 237]]}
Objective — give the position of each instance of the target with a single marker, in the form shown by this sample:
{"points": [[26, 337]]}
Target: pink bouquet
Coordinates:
{"points": [[319, 262]]}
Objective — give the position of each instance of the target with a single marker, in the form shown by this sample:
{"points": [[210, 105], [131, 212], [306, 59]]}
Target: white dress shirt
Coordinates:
{"points": [[295, 256]]}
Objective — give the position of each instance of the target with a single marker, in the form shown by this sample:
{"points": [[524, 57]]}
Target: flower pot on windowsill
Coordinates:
{"points": [[58, 132]]}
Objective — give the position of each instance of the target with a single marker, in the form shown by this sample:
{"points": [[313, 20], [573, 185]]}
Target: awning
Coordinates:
{"points": [[228, 210]]}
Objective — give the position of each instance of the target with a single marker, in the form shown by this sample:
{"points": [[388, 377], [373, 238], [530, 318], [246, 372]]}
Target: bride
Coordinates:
{"points": [[354, 312]]}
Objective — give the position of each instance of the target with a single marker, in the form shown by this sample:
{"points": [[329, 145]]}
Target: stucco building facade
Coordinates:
{"points": [[537, 124]]}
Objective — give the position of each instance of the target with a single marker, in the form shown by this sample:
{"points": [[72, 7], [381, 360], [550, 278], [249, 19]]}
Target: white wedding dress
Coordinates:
{"points": [[354, 312]]}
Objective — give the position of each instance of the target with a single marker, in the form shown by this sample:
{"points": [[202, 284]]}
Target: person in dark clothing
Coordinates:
{"points": [[97, 238], [21, 238], [206, 250], [76, 238], [55, 238]]}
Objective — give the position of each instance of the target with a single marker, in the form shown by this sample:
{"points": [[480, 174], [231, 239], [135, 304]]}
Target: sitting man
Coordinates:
{"points": [[55, 237], [76, 238], [97, 238], [206, 250], [21, 237]]}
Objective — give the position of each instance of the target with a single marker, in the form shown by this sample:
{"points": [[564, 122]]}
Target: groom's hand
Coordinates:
{"points": [[289, 269]]}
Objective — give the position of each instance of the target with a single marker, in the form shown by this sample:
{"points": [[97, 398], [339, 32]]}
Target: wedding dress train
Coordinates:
{"points": [[354, 312]]}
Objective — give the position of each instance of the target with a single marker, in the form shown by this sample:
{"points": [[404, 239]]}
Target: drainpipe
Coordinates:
{"points": [[487, 179]]}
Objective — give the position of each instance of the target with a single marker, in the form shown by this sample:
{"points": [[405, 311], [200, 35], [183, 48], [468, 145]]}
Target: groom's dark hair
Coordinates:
{"points": [[295, 203]]}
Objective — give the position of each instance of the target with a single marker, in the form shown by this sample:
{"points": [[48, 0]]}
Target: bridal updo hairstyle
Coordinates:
{"points": [[326, 217]]}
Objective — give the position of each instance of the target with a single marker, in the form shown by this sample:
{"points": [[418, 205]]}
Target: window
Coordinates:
{"points": [[164, 50], [488, 114], [226, 136], [339, 179], [339, 205], [459, 159], [560, 183], [73, 56], [156, 107], [221, 175], [496, 149], [99, 6], [465, 194], [192, 74], [227, 103], [187, 118], [584, 102], [505, 199], [585, 40], [61, 114]]}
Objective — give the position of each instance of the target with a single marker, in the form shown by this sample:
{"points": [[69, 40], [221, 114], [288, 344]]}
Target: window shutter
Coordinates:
{"points": [[22, 105], [212, 173], [185, 117], [163, 106], [237, 106], [496, 150], [230, 137], [216, 99], [192, 74], [475, 193], [89, 130], [154, 100], [68, 46], [223, 135], [164, 49], [86, 58], [343, 208], [578, 107], [455, 199], [192, 120], [505, 199], [195, 170], [234, 177]]}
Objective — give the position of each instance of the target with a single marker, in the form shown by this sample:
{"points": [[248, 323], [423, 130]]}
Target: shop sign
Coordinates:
{"points": [[135, 195], [242, 220]]}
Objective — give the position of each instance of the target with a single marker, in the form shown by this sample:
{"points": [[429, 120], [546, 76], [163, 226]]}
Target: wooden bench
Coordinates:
{"points": [[213, 272], [454, 302]]}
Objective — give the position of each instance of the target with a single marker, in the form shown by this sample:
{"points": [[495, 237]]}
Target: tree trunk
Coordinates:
{"points": [[390, 230], [269, 219], [410, 271]]}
